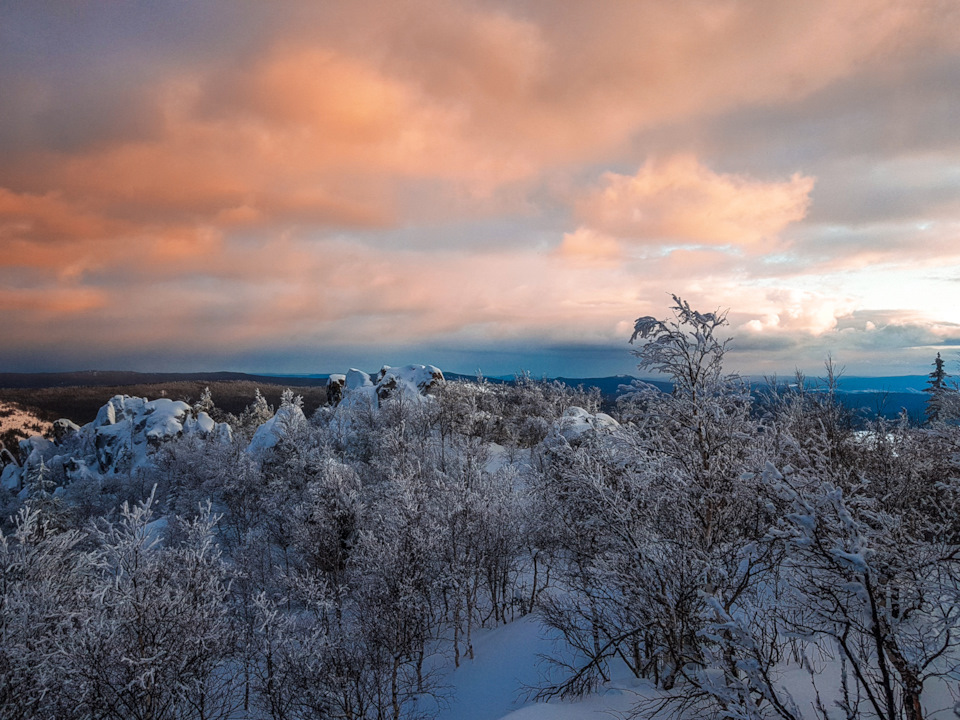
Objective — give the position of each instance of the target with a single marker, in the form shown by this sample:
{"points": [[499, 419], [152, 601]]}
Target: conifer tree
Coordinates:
{"points": [[205, 403], [938, 389]]}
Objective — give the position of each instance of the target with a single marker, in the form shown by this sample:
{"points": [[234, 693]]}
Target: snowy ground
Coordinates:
{"points": [[14, 417], [494, 686]]}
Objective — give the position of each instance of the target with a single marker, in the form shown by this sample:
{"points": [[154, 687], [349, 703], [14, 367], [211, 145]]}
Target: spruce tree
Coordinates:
{"points": [[937, 387]]}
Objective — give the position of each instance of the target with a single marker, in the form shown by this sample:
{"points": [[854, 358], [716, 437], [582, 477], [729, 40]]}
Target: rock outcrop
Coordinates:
{"points": [[124, 437], [576, 426], [412, 381]]}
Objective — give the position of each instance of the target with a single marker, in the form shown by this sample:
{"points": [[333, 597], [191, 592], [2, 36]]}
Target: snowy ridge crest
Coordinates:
{"points": [[357, 388], [128, 431], [123, 437]]}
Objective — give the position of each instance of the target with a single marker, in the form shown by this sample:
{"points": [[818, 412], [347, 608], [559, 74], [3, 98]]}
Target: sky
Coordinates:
{"points": [[481, 185]]}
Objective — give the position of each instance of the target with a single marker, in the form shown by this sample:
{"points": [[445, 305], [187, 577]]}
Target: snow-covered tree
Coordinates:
{"points": [[700, 427], [653, 520], [43, 577], [944, 400], [253, 416], [205, 403], [157, 636]]}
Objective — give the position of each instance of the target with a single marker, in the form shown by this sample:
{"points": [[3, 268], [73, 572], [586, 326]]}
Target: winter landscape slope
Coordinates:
{"points": [[479, 551], [76, 395]]}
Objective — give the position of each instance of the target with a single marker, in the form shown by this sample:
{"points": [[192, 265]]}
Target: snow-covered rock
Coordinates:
{"points": [[10, 477], [124, 436], [34, 452], [288, 419], [412, 381], [576, 425], [356, 379], [128, 429], [335, 385], [358, 391], [62, 428]]}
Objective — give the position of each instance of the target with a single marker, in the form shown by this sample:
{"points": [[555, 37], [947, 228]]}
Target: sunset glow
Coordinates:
{"points": [[305, 186]]}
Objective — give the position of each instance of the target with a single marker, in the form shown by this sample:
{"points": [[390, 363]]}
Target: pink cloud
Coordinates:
{"points": [[49, 218], [587, 245], [472, 95], [243, 194], [46, 303], [678, 199]]}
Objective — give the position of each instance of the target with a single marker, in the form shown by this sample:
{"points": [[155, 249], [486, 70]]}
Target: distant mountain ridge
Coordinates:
{"points": [[896, 384], [887, 396], [95, 378], [608, 385]]}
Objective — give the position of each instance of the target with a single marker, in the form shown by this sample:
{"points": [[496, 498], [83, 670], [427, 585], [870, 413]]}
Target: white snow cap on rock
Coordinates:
{"points": [[10, 477], [335, 385], [415, 380], [358, 390], [412, 381], [124, 436], [576, 423], [287, 419], [356, 379], [132, 428]]}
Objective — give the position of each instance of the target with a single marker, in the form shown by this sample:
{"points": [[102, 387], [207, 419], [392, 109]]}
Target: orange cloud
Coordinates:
{"points": [[588, 245], [49, 218], [40, 303], [474, 96], [265, 185], [680, 200]]}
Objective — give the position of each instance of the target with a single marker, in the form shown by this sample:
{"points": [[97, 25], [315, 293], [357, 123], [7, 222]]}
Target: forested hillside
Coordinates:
{"points": [[720, 556]]}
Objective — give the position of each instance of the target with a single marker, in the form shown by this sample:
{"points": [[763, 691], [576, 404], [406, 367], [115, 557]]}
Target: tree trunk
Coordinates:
{"points": [[910, 682], [395, 689]]}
